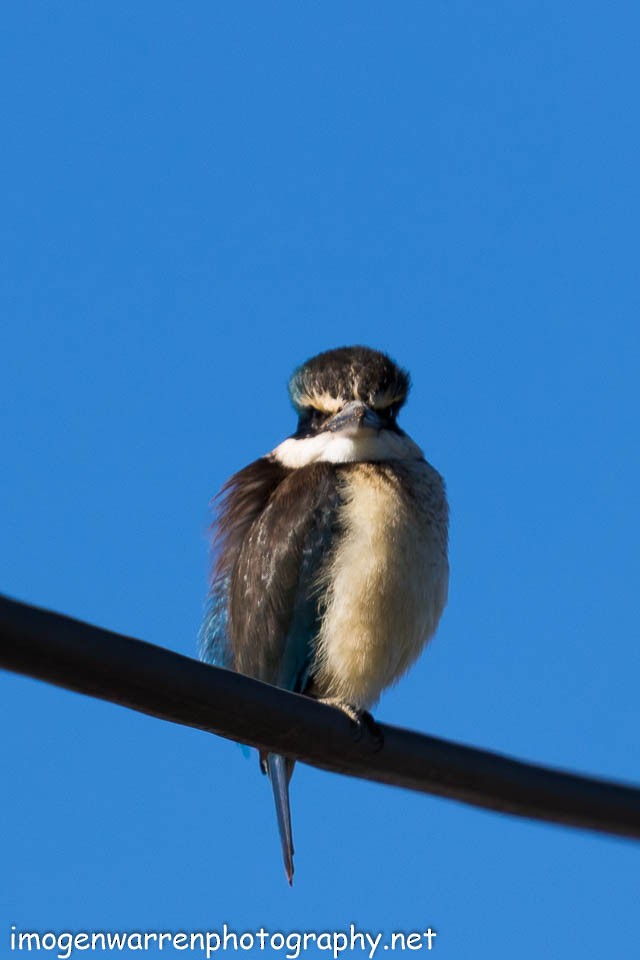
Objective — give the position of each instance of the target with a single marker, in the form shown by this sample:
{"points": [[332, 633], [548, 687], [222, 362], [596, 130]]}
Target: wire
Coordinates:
{"points": [[167, 685]]}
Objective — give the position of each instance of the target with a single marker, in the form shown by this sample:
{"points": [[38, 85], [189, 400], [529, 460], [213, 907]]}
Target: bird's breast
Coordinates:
{"points": [[384, 585]]}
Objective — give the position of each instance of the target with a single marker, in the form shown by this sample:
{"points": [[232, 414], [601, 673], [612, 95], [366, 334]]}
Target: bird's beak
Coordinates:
{"points": [[354, 417]]}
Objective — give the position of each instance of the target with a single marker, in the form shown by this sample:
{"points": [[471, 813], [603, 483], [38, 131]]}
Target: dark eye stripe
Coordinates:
{"points": [[310, 420]]}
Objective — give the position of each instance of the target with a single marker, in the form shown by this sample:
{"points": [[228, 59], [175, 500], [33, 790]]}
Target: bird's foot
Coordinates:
{"points": [[361, 719], [352, 712]]}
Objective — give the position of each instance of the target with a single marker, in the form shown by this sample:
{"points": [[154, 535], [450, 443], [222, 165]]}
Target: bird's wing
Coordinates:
{"points": [[273, 531], [273, 606], [239, 504]]}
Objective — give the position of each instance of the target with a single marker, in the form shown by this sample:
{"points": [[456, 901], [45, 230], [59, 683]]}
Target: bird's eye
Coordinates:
{"points": [[310, 419]]}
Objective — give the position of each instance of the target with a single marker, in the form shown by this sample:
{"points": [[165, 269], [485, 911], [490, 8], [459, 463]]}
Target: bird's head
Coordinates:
{"points": [[347, 401], [348, 390]]}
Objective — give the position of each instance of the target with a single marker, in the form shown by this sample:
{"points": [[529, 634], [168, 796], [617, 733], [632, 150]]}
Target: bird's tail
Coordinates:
{"points": [[280, 771]]}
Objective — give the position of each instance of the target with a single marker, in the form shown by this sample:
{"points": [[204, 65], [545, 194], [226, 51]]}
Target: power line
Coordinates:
{"points": [[167, 685]]}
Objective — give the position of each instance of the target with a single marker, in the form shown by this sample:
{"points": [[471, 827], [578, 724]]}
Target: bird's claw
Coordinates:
{"points": [[366, 721], [362, 721]]}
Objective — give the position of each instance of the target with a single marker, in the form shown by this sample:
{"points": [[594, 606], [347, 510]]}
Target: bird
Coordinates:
{"points": [[330, 553]]}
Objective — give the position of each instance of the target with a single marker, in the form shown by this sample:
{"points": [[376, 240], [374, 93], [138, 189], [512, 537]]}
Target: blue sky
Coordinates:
{"points": [[196, 198]]}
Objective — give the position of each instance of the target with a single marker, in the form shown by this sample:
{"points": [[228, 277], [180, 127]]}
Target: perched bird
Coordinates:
{"points": [[331, 570]]}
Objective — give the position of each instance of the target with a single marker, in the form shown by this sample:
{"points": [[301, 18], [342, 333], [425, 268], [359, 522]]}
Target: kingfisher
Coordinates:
{"points": [[330, 570]]}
